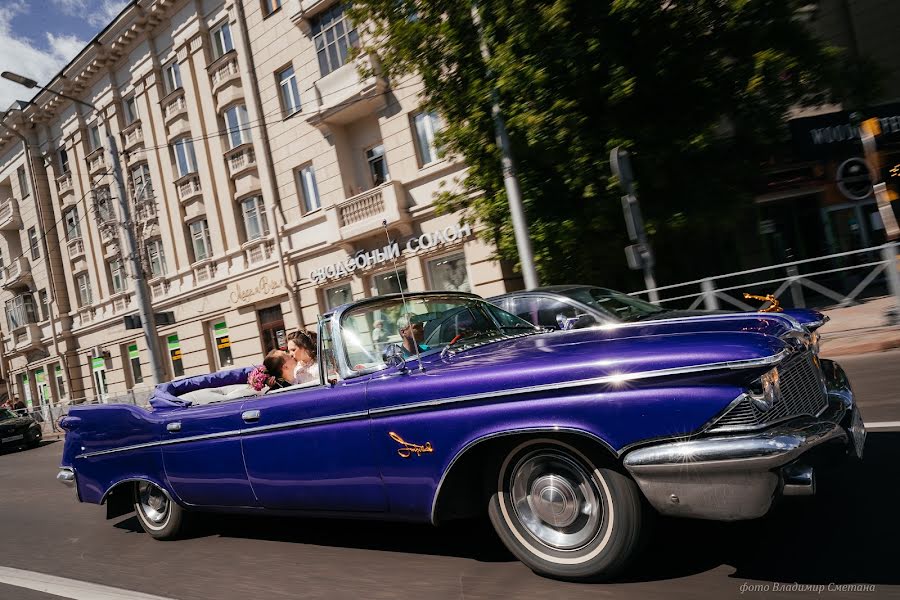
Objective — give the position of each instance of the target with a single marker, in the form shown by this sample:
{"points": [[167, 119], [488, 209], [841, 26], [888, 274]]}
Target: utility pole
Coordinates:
{"points": [[141, 291], [510, 177]]}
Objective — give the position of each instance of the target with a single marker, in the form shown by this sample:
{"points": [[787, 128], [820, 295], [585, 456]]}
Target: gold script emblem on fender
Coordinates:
{"points": [[770, 298], [406, 449]]}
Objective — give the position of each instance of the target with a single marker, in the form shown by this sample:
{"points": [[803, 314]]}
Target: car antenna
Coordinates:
{"points": [[402, 295]]}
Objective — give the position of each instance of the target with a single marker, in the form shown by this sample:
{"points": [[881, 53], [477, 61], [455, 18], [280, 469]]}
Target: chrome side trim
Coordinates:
{"points": [[469, 445], [794, 323], [429, 404]]}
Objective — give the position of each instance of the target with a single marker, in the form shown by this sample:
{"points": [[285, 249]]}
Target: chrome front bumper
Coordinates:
{"points": [[66, 476], [734, 477]]}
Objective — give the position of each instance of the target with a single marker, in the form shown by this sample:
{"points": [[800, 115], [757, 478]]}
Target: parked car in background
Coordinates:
{"points": [[581, 306], [455, 408], [18, 430]]}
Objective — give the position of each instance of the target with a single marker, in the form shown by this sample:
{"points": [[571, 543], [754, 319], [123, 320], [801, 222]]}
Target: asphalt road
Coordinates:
{"points": [[847, 534]]}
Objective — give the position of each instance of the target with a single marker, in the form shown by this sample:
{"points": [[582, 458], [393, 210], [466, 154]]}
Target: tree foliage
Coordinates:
{"points": [[697, 90]]}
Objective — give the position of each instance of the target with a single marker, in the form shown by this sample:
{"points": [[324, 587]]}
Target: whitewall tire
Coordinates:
{"points": [[157, 513]]}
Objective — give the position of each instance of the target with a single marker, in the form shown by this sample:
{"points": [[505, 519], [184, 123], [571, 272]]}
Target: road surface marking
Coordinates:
{"points": [[882, 424], [68, 588]]}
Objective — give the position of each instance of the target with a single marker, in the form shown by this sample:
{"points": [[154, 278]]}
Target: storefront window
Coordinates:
{"points": [[388, 282], [134, 359], [223, 344], [98, 367], [271, 327], [60, 383], [449, 273], [174, 347], [338, 295]]}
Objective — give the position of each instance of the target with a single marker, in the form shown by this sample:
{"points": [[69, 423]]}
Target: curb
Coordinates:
{"points": [[861, 347]]}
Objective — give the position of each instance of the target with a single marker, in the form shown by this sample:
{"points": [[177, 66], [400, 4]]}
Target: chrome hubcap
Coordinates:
{"points": [[556, 500], [154, 503]]}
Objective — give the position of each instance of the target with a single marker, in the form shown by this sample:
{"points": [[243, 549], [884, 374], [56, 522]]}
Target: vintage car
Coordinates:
{"points": [[440, 405], [580, 306], [18, 429]]}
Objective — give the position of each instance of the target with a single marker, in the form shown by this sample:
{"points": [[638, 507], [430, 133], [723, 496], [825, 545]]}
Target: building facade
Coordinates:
{"points": [[268, 181]]}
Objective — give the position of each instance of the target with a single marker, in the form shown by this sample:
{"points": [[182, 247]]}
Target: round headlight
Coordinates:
{"points": [[766, 392]]}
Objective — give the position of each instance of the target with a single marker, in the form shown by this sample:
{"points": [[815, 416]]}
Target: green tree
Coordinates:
{"points": [[697, 90]]}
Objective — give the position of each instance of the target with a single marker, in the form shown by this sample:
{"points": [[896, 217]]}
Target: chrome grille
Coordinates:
{"points": [[802, 393]]}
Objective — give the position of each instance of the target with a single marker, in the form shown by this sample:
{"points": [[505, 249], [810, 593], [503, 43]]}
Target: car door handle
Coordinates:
{"points": [[250, 416], [173, 427]]}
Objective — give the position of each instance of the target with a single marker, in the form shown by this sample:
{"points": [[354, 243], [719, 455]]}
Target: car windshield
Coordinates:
{"points": [[433, 322], [6, 415], [621, 306]]}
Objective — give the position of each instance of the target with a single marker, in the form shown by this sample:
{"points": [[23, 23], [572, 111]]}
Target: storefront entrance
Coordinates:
{"points": [[271, 327], [852, 226]]}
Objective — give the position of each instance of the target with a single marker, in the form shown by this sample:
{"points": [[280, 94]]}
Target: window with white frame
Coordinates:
{"points": [[130, 109], [427, 124], [237, 124], [156, 258], [44, 304], [255, 222], [73, 224], [83, 285], [309, 189], [20, 311], [333, 35], [34, 243], [23, 182], [116, 276], [221, 40], [134, 361], [94, 137], [200, 240], [103, 204], [140, 179], [290, 94], [172, 77], [377, 165], [63, 160], [185, 158]]}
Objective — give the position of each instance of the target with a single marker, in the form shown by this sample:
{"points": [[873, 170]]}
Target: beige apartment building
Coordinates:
{"points": [[268, 183]]}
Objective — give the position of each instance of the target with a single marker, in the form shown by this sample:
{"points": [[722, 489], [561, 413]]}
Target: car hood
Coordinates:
{"points": [[17, 424]]}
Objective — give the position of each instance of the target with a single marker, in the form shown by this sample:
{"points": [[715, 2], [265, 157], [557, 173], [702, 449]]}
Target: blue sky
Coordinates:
{"points": [[38, 37]]}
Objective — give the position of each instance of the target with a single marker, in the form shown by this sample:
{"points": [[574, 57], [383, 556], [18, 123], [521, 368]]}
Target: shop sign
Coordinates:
{"points": [[98, 364], [833, 135], [365, 260], [265, 286]]}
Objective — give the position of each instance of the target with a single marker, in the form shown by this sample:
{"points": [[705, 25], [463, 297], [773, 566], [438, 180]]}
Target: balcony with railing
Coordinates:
{"points": [[204, 270], [64, 183], [174, 106], [121, 302], [17, 273], [26, 337], [344, 96], [159, 287], [9, 214], [225, 80], [76, 248], [96, 162], [258, 250], [241, 160], [362, 214], [189, 188], [134, 135]]}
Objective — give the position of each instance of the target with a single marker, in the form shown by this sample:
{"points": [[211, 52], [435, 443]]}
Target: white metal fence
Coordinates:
{"points": [[49, 414], [834, 280]]}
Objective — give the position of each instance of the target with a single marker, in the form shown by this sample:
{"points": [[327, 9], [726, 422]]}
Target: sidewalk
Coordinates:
{"points": [[860, 329]]}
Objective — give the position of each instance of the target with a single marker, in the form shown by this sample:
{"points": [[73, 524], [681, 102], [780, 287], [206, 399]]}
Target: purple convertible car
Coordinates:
{"points": [[569, 441]]}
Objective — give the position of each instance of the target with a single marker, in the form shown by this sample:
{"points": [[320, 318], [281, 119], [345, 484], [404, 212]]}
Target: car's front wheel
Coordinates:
{"points": [[158, 514], [564, 515]]}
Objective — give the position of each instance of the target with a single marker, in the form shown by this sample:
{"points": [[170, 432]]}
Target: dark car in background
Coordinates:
{"points": [[17, 431]]}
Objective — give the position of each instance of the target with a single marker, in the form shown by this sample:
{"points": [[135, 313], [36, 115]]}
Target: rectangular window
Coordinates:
{"points": [[223, 344], [309, 189], [73, 224], [134, 359], [44, 304], [156, 258], [236, 122], [270, 6], [23, 182], [60, 383], [389, 283], [116, 276], [290, 94], [103, 204], [141, 182], [200, 240], [20, 311], [131, 110], [427, 125], [2, 262], [449, 273], [33, 243], [94, 137], [255, 222], [172, 77], [185, 157], [174, 347], [83, 285], [271, 328], [98, 368], [221, 40], [338, 295], [377, 165], [63, 160], [333, 35]]}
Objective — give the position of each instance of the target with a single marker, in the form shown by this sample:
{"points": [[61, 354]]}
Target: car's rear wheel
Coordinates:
{"points": [[158, 514], [563, 514]]}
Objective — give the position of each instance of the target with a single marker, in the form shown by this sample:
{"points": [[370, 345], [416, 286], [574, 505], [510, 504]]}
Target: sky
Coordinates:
{"points": [[39, 37]]}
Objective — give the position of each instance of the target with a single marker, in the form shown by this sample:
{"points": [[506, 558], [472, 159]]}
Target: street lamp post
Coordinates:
{"points": [[142, 292]]}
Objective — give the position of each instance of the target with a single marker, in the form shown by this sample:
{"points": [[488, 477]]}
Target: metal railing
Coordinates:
{"points": [[833, 280], [49, 414]]}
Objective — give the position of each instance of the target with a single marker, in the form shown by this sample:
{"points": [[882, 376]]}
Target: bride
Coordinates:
{"points": [[303, 348]]}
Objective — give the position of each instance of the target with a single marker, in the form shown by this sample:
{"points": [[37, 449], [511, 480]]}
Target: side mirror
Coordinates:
{"points": [[393, 356], [576, 322]]}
